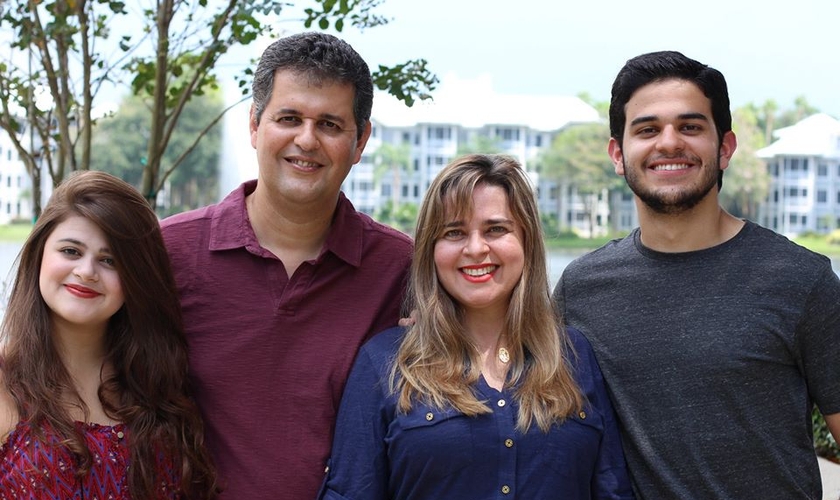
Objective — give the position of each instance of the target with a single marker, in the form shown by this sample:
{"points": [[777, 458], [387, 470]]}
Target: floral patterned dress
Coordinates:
{"points": [[31, 469]]}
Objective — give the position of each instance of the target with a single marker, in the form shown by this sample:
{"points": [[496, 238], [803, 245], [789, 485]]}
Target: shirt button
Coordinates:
{"points": [[505, 489], [509, 443], [582, 415], [120, 435], [429, 416], [501, 403]]}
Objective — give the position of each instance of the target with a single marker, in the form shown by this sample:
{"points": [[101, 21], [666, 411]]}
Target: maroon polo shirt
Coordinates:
{"points": [[269, 354]]}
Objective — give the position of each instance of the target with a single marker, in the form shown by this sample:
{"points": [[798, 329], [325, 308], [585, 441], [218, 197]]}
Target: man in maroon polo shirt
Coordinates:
{"points": [[283, 280]]}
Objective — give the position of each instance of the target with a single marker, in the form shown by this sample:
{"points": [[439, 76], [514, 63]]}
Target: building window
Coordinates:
{"points": [[440, 133], [386, 190], [793, 218], [417, 164], [405, 191], [795, 192], [538, 140], [416, 191], [822, 170], [508, 134], [822, 196]]}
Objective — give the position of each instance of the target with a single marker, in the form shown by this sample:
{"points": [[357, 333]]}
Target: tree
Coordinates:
{"points": [[120, 145], [746, 181], [171, 51], [577, 158], [393, 158], [801, 110]]}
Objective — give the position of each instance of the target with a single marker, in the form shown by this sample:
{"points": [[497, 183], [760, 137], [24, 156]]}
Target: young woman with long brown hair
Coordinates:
{"points": [[93, 367], [483, 396]]}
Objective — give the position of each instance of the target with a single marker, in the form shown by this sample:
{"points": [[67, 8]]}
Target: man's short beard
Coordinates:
{"points": [[681, 202]]}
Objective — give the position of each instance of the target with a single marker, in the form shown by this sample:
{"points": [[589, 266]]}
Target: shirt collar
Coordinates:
{"points": [[231, 227]]}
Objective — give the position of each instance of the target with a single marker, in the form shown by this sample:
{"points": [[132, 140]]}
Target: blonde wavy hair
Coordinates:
{"points": [[437, 363]]}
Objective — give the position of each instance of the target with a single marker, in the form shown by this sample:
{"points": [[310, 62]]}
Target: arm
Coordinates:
{"points": [[833, 423], [358, 466], [610, 479]]}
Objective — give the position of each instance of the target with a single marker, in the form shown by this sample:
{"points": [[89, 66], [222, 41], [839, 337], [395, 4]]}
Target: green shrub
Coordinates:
{"points": [[824, 442]]}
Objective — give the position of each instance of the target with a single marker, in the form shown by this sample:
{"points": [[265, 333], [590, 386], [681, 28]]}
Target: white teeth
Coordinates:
{"points": [[480, 271], [672, 166], [305, 164]]}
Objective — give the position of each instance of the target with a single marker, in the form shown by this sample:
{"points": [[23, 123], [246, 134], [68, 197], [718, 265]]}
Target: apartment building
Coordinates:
{"points": [[15, 184], [804, 167], [465, 115]]}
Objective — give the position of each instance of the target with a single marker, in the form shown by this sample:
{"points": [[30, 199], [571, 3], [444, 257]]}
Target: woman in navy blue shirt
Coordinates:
{"points": [[483, 396]]}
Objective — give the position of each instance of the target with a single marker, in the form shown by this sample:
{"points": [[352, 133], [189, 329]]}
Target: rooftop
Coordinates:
{"points": [[474, 104], [816, 135]]}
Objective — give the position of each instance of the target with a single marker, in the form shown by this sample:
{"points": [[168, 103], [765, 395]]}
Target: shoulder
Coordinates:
{"points": [[579, 343], [609, 252], [384, 234], [199, 217], [582, 357], [778, 256], [384, 345]]}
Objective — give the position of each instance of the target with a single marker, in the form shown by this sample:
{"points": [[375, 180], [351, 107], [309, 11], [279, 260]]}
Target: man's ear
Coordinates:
{"points": [[616, 156]]}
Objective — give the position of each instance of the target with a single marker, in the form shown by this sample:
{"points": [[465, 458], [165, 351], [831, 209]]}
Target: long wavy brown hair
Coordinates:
{"points": [[436, 361], [145, 342]]}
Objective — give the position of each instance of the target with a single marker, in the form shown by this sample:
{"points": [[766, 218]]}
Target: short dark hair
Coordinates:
{"points": [[321, 58], [665, 65]]}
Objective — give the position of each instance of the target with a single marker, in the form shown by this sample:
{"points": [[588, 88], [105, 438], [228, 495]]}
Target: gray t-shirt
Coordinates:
{"points": [[713, 359]]}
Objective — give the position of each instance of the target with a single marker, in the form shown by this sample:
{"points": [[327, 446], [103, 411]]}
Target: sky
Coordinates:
{"points": [[766, 50]]}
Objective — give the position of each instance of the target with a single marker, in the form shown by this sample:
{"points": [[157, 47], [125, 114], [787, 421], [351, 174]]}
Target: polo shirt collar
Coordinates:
{"points": [[231, 228]]}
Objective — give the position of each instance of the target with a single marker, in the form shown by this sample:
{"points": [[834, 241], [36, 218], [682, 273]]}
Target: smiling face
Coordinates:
{"points": [[306, 139], [77, 279], [670, 156], [479, 259]]}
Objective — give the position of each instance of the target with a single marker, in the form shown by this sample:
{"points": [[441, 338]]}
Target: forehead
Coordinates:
{"points": [[296, 88], [78, 228], [665, 99], [486, 200]]}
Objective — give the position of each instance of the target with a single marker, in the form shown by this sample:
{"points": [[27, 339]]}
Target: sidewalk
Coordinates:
{"points": [[830, 479]]}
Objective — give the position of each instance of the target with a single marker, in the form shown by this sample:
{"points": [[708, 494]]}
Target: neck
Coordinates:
{"points": [[294, 234], [703, 226], [84, 356], [81, 350]]}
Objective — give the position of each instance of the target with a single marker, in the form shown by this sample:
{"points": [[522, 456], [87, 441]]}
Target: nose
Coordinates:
{"points": [[670, 140], [86, 269], [476, 244], [307, 137]]}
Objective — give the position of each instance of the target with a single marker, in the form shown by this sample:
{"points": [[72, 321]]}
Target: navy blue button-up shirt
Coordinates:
{"points": [[429, 453]]}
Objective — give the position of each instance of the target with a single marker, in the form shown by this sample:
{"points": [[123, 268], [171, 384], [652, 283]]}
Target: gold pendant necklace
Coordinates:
{"points": [[504, 355]]}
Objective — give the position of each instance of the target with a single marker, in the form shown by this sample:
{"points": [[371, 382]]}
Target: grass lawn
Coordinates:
{"points": [[819, 244], [14, 232]]}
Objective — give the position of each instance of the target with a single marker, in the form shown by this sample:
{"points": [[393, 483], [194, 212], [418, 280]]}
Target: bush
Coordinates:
{"points": [[833, 237], [824, 442]]}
